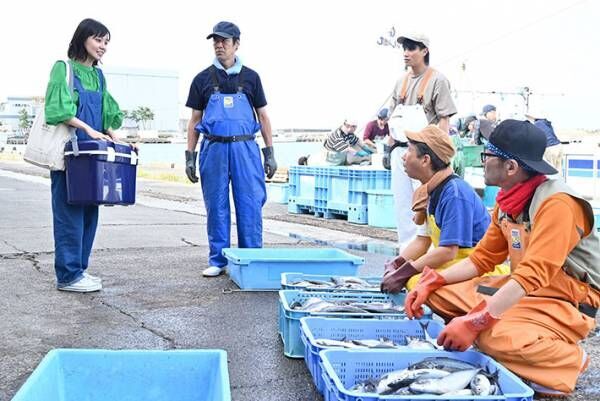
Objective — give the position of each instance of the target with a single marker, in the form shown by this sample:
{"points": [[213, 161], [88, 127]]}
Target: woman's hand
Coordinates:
{"points": [[97, 135]]}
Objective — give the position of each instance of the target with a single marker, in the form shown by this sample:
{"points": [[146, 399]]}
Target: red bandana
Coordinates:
{"points": [[514, 200]]}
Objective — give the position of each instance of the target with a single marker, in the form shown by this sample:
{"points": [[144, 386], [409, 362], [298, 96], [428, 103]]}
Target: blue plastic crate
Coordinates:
{"points": [[314, 328], [597, 217], [288, 278], [361, 180], [301, 186], [489, 195], [358, 214], [292, 343], [343, 368], [261, 268], [278, 192], [381, 210], [99, 375]]}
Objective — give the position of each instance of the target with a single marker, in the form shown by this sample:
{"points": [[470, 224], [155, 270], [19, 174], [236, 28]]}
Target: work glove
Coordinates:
{"points": [[368, 149], [362, 153], [396, 281], [190, 165], [462, 331], [387, 157], [390, 266], [430, 281], [270, 163]]}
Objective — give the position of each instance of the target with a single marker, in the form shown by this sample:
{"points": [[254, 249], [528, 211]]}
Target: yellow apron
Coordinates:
{"points": [[434, 235]]}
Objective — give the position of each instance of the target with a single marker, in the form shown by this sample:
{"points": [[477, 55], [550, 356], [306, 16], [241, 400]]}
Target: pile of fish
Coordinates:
{"points": [[316, 304], [337, 283], [412, 342], [434, 376]]}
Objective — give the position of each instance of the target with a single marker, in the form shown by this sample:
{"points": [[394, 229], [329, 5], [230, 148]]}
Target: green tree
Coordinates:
{"points": [[142, 114], [24, 121]]}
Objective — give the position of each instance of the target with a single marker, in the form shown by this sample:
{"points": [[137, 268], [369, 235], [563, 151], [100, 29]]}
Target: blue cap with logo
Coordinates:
{"points": [[225, 29]]}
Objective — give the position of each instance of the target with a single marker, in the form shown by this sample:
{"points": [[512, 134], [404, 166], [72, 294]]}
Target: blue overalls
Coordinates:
{"points": [[75, 225], [229, 153]]}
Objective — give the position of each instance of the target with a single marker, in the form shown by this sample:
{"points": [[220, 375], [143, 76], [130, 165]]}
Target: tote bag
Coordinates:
{"points": [[46, 144]]}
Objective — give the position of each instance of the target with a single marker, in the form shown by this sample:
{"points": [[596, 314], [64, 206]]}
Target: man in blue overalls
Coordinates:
{"points": [[225, 99]]}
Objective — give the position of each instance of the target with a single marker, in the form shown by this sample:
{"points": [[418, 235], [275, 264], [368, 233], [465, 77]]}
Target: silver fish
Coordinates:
{"points": [[381, 343], [392, 381], [346, 280], [443, 363], [325, 342], [480, 384], [452, 382], [464, 391]]}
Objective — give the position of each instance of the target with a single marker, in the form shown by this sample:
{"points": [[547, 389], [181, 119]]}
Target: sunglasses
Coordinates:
{"points": [[485, 155]]}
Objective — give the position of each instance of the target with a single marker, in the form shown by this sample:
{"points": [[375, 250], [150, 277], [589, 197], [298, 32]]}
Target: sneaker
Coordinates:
{"points": [[83, 285], [213, 271], [93, 278]]}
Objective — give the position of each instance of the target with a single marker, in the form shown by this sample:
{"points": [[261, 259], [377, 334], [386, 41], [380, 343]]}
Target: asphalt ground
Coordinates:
{"points": [[150, 257]]}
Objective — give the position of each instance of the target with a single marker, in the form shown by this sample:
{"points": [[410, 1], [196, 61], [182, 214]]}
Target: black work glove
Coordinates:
{"points": [[387, 157], [270, 163], [396, 281], [190, 165]]}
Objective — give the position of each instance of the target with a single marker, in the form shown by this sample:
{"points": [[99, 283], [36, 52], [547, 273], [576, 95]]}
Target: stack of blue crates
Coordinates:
{"points": [[335, 190]]}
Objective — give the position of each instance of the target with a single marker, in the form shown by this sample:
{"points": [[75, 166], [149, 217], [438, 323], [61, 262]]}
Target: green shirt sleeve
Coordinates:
{"points": [[112, 116], [60, 105]]}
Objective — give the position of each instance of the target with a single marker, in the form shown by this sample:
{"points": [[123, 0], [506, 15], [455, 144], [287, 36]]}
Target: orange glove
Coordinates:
{"points": [[460, 333], [430, 281]]}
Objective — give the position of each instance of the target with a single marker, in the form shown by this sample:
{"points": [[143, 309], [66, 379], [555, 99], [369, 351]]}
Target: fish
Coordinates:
{"points": [[392, 381], [367, 386], [418, 343], [480, 384], [454, 381], [464, 391], [325, 342], [380, 307], [444, 363], [347, 280], [380, 343]]}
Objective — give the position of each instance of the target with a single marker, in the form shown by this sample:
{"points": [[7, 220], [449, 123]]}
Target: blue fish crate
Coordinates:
{"points": [[301, 188], [381, 211], [314, 328], [135, 375], [103, 173], [342, 369], [293, 346], [288, 280], [261, 268], [278, 192]]}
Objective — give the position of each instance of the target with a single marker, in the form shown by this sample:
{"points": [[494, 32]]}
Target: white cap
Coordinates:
{"points": [[415, 37]]}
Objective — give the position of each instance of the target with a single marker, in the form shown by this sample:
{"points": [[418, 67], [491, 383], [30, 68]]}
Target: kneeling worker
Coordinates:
{"points": [[532, 320], [450, 214]]}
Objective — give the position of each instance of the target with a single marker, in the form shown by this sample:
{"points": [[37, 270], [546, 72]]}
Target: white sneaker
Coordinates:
{"points": [[93, 278], [213, 271], [83, 285]]}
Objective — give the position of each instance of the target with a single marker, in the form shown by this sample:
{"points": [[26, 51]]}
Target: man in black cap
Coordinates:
{"points": [[489, 113], [225, 98], [532, 320]]}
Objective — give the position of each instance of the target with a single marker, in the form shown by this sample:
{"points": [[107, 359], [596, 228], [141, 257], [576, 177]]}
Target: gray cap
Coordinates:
{"points": [[415, 37]]}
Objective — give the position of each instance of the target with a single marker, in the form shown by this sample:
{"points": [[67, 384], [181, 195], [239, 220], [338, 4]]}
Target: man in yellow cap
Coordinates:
{"points": [[450, 214]]}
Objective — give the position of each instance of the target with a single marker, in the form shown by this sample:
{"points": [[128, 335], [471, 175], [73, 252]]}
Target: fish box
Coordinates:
{"points": [[288, 281], [261, 268], [342, 369], [102, 173], [314, 328], [290, 323], [381, 211], [135, 375], [278, 192]]}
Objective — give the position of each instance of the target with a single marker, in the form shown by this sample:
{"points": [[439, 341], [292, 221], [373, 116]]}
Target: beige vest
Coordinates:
{"points": [[583, 262]]}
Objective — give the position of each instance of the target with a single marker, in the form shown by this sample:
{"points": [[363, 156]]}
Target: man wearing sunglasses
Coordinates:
{"points": [[533, 319], [421, 97]]}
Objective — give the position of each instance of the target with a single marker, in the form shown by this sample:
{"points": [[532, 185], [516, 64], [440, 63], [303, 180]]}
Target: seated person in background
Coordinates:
{"points": [[377, 129], [450, 215], [344, 148]]}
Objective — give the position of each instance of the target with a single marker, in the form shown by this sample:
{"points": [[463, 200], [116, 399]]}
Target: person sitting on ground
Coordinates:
{"points": [[449, 213], [344, 148], [377, 129], [554, 151], [533, 319]]}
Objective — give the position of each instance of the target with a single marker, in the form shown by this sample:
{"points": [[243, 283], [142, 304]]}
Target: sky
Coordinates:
{"points": [[319, 61]]}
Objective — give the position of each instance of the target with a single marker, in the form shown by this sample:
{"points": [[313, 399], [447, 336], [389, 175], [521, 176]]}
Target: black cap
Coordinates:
{"points": [[225, 30], [524, 141]]}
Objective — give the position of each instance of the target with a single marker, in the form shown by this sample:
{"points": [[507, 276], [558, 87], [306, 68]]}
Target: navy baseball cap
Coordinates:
{"points": [[487, 108], [383, 113], [225, 30], [525, 141]]}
